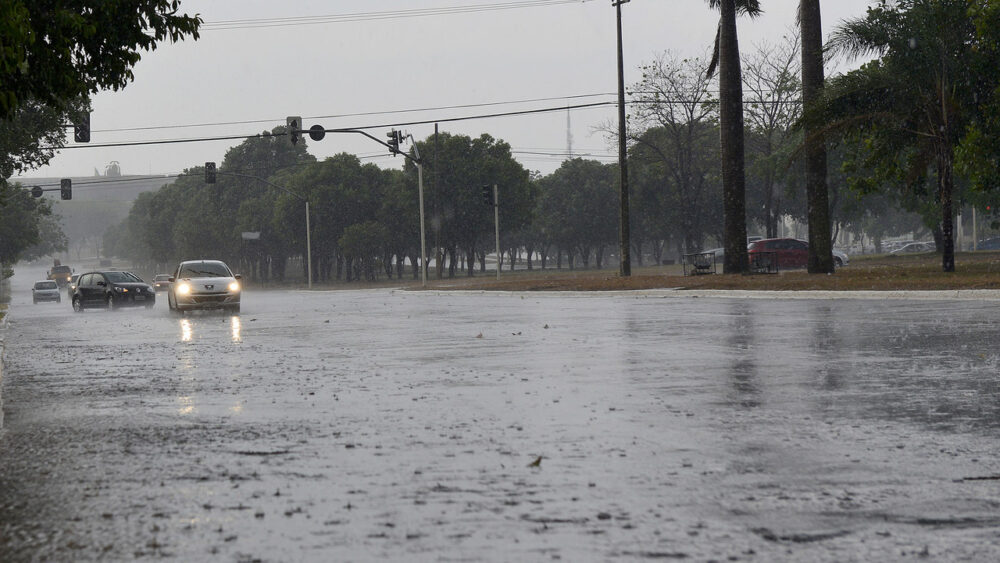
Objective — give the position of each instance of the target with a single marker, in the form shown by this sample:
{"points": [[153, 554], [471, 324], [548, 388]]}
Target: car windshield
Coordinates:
{"points": [[162, 277], [121, 277], [46, 285], [205, 270]]}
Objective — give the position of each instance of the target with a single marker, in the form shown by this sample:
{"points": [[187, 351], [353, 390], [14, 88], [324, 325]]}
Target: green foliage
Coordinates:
{"points": [[456, 167], [579, 206], [27, 227], [68, 49], [904, 115], [30, 136]]}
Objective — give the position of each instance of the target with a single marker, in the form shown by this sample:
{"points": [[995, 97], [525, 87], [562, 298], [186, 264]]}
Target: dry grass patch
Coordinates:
{"points": [[975, 270]]}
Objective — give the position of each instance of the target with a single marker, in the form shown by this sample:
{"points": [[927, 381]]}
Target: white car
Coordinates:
{"points": [[840, 258], [204, 284], [914, 247], [45, 290]]}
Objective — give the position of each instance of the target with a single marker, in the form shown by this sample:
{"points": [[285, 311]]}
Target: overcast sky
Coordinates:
{"points": [[360, 71]]}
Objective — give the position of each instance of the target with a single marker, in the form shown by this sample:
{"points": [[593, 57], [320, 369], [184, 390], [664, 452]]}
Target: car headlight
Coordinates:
{"points": [[234, 286], [121, 289], [184, 288]]}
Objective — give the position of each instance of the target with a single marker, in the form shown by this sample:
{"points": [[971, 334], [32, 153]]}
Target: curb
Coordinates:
{"points": [[3, 333]]}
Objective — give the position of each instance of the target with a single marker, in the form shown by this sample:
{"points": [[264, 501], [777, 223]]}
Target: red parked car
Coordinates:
{"points": [[788, 252]]}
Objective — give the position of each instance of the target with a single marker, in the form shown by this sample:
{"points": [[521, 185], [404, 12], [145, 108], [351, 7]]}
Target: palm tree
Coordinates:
{"points": [[726, 57], [908, 110], [817, 197]]}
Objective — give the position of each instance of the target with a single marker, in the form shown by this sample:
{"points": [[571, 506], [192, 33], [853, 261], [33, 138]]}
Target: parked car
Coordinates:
{"points": [[111, 290], [840, 258], [45, 290], [788, 252], [989, 244], [204, 284], [914, 247], [161, 282]]}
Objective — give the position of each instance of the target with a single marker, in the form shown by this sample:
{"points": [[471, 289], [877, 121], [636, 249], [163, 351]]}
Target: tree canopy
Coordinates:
{"points": [[68, 49]]}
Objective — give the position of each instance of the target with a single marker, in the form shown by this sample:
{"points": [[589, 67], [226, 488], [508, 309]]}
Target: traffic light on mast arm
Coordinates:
{"points": [[294, 124], [209, 172], [488, 195], [394, 138], [66, 188]]}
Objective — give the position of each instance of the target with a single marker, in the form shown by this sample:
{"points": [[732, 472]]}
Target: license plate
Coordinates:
{"points": [[140, 297]]}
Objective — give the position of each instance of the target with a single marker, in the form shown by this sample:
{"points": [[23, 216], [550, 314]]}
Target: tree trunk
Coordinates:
{"points": [[817, 196], [731, 128], [946, 189]]}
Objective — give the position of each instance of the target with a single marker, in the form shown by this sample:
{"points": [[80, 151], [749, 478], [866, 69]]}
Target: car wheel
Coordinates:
{"points": [[234, 309], [838, 262], [77, 306]]}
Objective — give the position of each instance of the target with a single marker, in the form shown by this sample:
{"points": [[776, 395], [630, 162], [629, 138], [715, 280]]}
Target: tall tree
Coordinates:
{"points": [[817, 196], [771, 79], [908, 110], [727, 57], [676, 152]]}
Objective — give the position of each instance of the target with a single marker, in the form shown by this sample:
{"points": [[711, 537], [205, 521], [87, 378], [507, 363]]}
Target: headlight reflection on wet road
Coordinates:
{"points": [[186, 332], [235, 329], [186, 405]]}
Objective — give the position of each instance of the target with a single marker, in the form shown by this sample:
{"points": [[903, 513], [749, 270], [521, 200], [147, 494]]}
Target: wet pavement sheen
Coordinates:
{"points": [[412, 426]]}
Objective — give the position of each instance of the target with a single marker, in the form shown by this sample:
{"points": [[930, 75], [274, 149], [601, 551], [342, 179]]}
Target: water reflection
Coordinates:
{"points": [[236, 326], [186, 331], [743, 375], [235, 329], [186, 405], [827, 346]]}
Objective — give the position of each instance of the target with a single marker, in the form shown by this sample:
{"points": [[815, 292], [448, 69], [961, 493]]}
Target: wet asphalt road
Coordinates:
{"points": [[394, 425]]}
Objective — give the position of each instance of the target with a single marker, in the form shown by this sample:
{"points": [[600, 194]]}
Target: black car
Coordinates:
{"points": [[110, 290]]}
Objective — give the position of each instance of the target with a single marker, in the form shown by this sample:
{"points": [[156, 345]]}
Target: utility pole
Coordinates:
{"points": [[625, 266], [496, 224], [210, 174]]}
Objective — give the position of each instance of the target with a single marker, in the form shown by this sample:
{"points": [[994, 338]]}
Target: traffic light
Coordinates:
{"points": [[81, 129], [66, 188], [209, 172], [488, 195], [394, 138], [294, 123], [36, 191]]}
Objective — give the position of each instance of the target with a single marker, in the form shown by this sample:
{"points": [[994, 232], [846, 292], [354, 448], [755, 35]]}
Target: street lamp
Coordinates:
{"points": [[625, 266]]}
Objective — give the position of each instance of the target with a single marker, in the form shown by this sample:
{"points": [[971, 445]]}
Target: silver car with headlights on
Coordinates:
{"points": [[204, 284]]}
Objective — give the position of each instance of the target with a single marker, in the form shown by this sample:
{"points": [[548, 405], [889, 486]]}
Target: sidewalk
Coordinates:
{"points": [[3, 334]]}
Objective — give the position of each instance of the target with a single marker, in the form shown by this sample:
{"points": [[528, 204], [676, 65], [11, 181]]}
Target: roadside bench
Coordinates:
{"points": [[699, 263]]}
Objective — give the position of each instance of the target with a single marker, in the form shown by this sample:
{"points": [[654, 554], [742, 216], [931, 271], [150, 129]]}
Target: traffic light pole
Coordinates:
{"points": [[416, 160], [309, 261], [317, 132]]}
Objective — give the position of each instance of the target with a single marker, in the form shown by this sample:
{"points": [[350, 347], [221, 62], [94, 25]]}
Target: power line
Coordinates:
{"points": [[224, 25], [342, 129], [360, 114]]}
